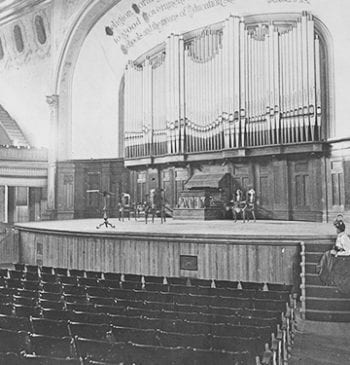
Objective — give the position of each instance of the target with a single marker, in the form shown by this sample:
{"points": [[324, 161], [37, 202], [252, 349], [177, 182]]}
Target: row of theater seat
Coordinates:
{"points": [[183, 334], [151, 315], [85, 295], [85, 351], [33, 272], [99, 342]]}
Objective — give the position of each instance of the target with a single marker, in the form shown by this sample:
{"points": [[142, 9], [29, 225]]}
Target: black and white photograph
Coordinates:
{"points": [[174, 182]]}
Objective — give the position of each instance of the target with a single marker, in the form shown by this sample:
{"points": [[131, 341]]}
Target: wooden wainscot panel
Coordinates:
{"points": [[246, 260]]}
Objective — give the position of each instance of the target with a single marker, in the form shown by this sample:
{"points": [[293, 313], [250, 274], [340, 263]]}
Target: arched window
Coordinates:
{"points": [[18, 38], [2, 54], [40, 29]]}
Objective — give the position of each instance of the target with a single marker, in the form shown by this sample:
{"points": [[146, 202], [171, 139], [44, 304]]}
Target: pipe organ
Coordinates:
{"points": [[229, 86]]}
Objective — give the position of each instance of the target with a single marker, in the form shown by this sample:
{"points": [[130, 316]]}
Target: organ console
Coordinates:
{"points": [[233, 85]]}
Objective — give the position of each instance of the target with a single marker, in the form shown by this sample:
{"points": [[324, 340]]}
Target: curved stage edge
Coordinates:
{"points": [[261, 251]]}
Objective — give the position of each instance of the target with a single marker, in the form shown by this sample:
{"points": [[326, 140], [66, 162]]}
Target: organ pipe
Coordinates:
{"points": [[226, 87]]}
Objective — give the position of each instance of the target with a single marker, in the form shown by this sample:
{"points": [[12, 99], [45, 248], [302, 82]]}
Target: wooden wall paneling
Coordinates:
{"points": [[168, 184], [280, 189], [316, 187], [65, 190], [216, 260], [152, 180], [262, 263], [263, 186], [302, 190]]}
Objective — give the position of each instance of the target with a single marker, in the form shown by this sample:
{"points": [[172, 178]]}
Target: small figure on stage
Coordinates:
{"points": [[238, 205], [244, 207], [155, 204], [148, 207], [124, 207], [250, 204], [105, 222]]}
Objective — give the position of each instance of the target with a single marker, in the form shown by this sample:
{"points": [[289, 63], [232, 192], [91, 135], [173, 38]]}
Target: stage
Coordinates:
{"points": [[265, 251], [219, 229]]}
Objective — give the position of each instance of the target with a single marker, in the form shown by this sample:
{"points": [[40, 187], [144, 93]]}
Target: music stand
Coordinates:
{"points": [[105, 222]]}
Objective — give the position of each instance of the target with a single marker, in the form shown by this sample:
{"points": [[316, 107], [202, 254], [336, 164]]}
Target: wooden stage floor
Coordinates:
{"points": [[217, 228]]}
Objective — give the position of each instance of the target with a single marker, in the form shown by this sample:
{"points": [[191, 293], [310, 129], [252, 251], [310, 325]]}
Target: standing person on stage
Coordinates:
{"points": [[250, 203], [341, 248]]}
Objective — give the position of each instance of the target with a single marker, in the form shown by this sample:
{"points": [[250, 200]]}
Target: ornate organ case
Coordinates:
{"points": [[229, 86]]}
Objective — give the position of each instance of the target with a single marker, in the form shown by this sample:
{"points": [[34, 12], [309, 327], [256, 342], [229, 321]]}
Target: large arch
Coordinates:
{"points": [[64, 70], [60, 101]]}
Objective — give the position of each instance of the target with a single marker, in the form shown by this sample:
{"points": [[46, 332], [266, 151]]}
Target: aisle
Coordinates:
{"points": [[321, 343]]}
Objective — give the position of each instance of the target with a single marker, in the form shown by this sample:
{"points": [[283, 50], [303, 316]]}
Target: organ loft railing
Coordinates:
{"points": [[232, 85]]}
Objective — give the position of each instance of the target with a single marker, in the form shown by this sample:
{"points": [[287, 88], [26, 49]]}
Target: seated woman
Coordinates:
{"points": [[331, 269]]}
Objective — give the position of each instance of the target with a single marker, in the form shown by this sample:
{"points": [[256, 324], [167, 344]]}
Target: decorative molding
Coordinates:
{"points": [[33, 50], [23, 172]]}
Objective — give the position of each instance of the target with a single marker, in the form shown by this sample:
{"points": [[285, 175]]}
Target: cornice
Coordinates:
{"points": [[11, 10]]}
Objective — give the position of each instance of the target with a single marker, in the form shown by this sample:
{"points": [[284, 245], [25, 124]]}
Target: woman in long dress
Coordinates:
{"points": [[334, 265]]}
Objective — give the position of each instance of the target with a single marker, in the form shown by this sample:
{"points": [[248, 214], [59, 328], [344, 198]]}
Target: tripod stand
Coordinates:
{"points": [[105, 222]]}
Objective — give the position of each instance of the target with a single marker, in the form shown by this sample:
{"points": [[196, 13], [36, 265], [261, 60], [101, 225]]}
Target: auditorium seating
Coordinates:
{"points": [[67, 316]]}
